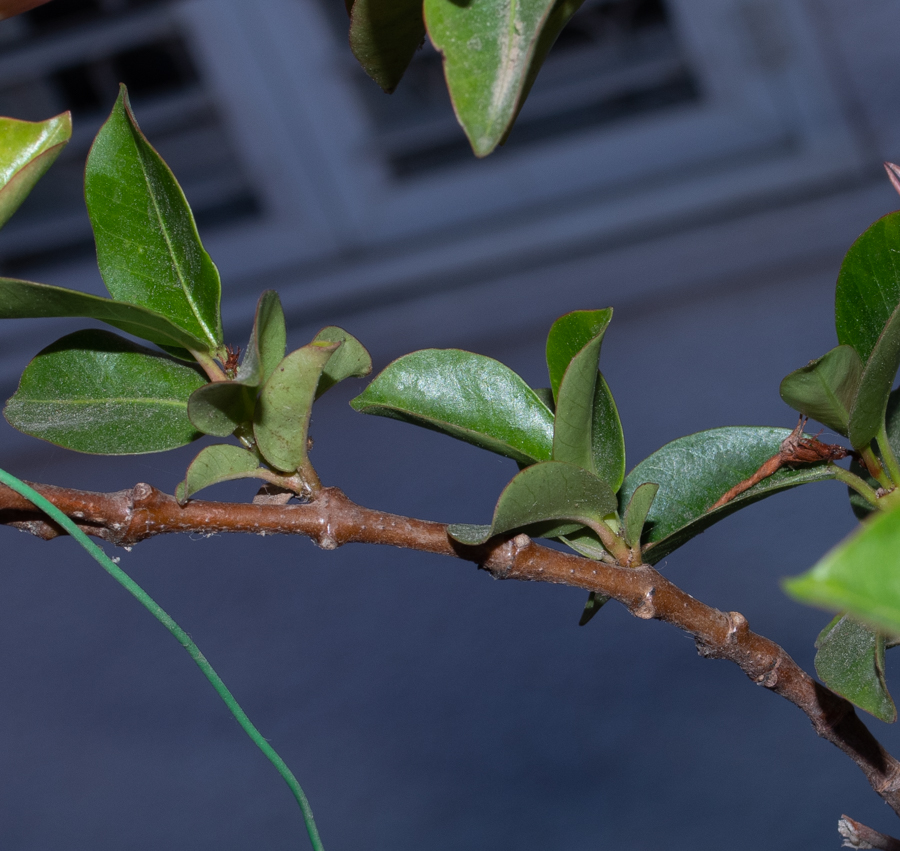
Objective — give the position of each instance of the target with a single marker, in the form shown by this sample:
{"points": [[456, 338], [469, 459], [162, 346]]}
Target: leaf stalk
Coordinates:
{"points": [[857, 484]]}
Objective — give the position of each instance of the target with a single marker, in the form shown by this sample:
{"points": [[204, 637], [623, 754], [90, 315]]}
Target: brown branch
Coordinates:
{"points": [[127, 517], [857, 835]]}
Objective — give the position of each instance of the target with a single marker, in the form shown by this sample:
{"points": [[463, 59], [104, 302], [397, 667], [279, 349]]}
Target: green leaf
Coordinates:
{"points": [[559, 16], [875, 385], [281, 422], [850, 661], [825, 389], [351, 360], [694, 471], [545, 394], [384, 36], [637, 510], [93, 391], [569, 335], [594, 603], [867, 317], [470, 397], [861, 507], [589, 435], [588, 431], [607, 438], [861, 575], [220, 407], [585, 543], [268, 340], [220, 463], [553, 494], [27, 150], [148, 248], [868, 286], [25, 300], [492, 52]]}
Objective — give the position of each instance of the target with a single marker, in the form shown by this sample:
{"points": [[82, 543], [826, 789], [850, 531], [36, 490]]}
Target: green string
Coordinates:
{"points": [[193, 650]]}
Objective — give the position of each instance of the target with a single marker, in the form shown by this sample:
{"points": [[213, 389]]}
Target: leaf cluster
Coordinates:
{"points": [[96, 391]]}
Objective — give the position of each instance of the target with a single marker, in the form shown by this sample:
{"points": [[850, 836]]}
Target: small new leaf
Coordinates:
{"points": [[220, 463], [637, 510], [220, 407], [569, 335], [268, 341], [553, 494], [281, 421], [587, 430], [351, 360]]}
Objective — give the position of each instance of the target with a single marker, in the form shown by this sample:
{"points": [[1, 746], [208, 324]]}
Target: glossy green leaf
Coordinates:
{"points": [[148, 248], [825, 389], [468, 396], [553, 494], [637, 510], [281, 422], [220, 463], [351, 360], [492, 52], [594, 603], [220, 407], [268, 340], [569, 335], [26, 300], [850, 661], [27, 150], [868, 286], [384, 35], [93, 391], [861, 575], [694, 471], [875, 385]]}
